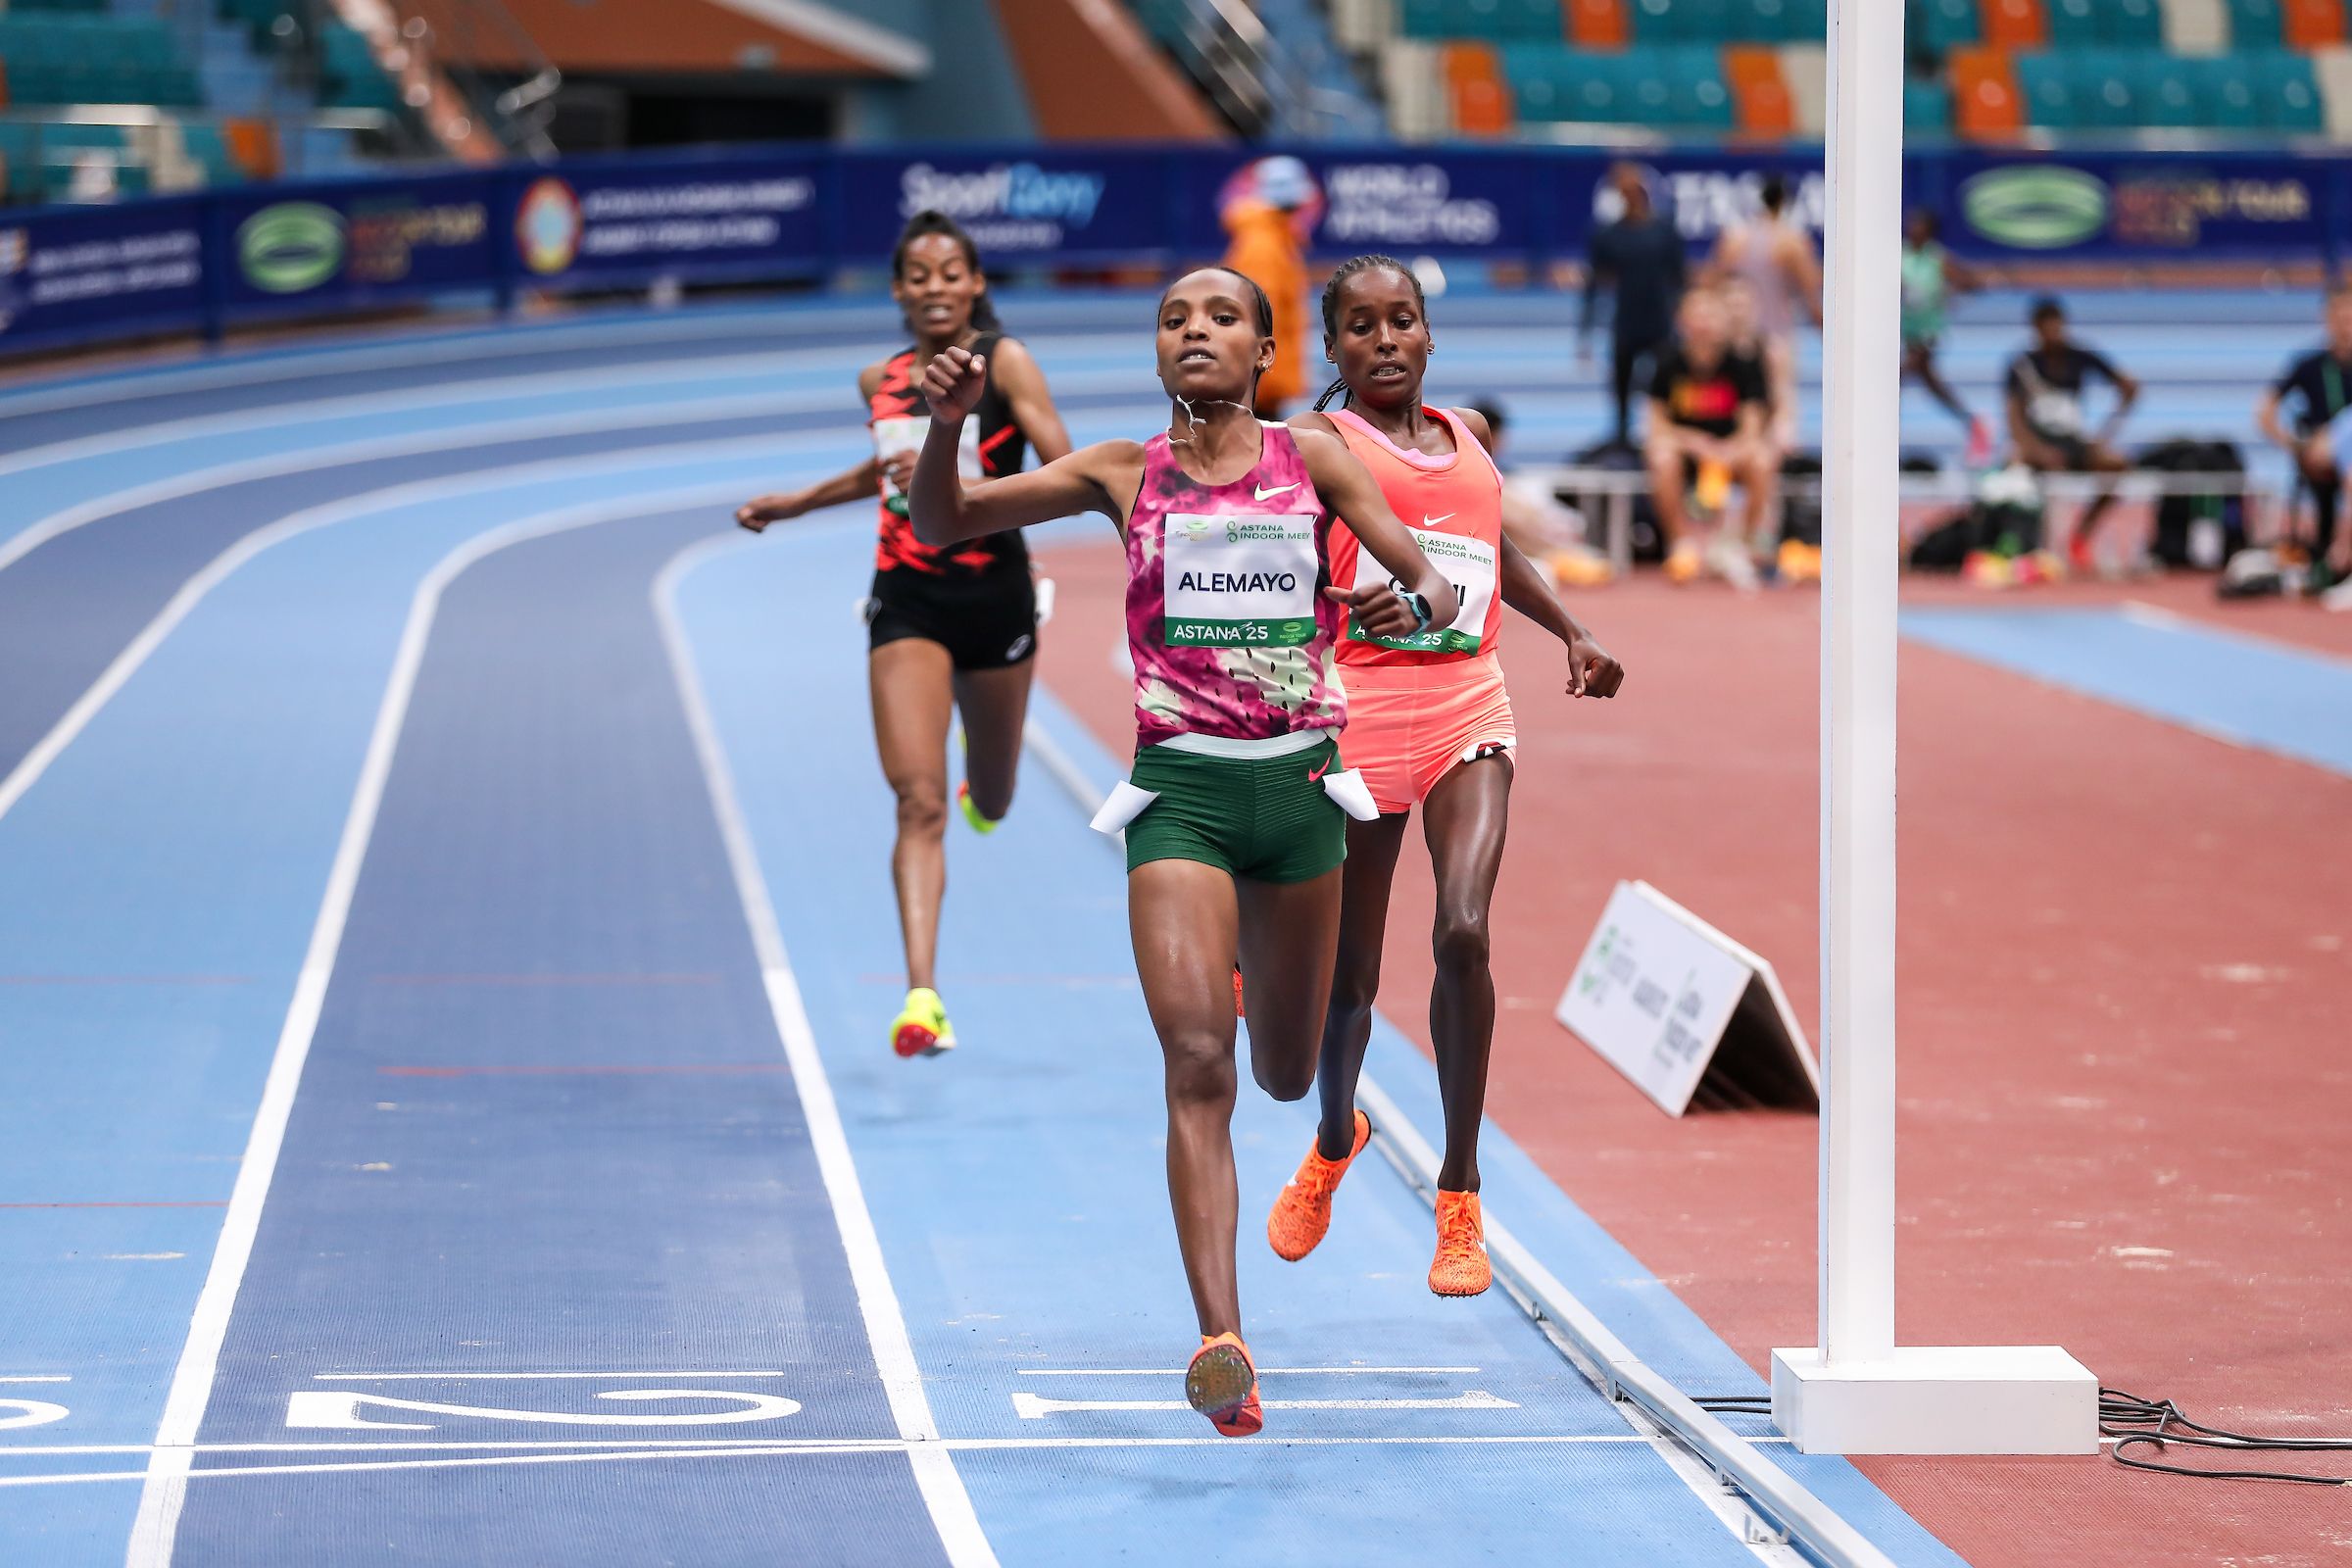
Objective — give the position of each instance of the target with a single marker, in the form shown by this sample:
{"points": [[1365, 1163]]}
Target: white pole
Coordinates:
{"points": [[1861, 559]]}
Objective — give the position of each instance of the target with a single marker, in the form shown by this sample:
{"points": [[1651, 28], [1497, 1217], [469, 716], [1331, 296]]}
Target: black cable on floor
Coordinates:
{"points": [[2158, 1424]]}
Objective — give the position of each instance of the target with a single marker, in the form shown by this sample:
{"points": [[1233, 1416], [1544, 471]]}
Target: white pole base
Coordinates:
{"points": [[2026, 1398]]}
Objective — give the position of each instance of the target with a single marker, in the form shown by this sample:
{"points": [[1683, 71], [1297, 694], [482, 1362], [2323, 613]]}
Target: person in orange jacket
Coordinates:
{"points": [[1269, 248]]}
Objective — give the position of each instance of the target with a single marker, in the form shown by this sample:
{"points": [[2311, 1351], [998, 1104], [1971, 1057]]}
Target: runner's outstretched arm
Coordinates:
{"points": [[852, 484], [1591, 672], [945, 512], [1349, 489]]}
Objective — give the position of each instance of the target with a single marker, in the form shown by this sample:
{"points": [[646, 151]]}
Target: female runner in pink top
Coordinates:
{"points": [[1429, 725], [1234, 830]]}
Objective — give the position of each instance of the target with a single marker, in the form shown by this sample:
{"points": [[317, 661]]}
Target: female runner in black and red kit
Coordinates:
{"points": [[951, 630]]}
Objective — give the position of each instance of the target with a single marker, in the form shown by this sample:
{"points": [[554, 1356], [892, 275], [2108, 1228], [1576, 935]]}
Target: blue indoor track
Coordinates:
{"points": [[447, 959]]}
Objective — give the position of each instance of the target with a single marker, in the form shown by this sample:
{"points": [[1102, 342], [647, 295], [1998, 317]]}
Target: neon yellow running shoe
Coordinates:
{"points": [[971, 813], [922, 1029]]}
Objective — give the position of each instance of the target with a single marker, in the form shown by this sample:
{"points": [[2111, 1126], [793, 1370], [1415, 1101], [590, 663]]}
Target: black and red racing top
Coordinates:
{"points": [[993, 445]]}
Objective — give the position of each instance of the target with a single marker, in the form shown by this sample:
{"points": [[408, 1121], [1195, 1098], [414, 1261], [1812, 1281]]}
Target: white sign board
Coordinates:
{"points": [[1685, 1011]]}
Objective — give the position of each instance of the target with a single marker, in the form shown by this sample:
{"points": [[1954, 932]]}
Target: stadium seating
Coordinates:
{"points": [[1987, 70]]}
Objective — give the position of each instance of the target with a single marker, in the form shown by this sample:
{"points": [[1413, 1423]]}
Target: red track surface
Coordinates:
{"points": [[2125, 1075]]}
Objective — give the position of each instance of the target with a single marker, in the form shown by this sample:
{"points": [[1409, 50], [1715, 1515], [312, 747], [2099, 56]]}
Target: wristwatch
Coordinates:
{"points": [[1418, 603]]}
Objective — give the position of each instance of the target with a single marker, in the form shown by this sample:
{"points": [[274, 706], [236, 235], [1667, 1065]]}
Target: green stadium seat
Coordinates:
{"points": [[2254, 24], [1927, 106], [1939, 26]]}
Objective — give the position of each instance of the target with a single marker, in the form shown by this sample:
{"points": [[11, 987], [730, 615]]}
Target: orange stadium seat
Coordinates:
{"points": [[1598, 23], [1985, 103], [1759, 96], [2313, 24], [1482, 103], [2015, 24]]}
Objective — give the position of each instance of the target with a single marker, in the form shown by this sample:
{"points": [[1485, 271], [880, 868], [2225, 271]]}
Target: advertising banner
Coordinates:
{"points": [[617, 220], [352, 244], [2140, 209], [104, 271], [1042, 204]]}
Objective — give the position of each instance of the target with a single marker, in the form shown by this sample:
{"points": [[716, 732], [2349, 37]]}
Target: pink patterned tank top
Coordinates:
{"points": [[1232, 637]]}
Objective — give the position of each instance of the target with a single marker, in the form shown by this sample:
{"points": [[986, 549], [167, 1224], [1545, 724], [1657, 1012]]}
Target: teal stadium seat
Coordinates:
{"points": [[2254, 24], [2106, 90], [1763, 21], [2225, 93], [1494, 21], [1937, 27], [2132, 23], [2046, 85], [2167, 98], [1927, 106], [2287, 91], [2072, 24]]}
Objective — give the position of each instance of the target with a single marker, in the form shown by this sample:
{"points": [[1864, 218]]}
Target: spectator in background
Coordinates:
{"points": [[1706, 433], [1930, 277], [1268, 249], [2320, 385], [2046, 421], [1744, 329], [1548, 532], [1639, 260], [1776, 259]]}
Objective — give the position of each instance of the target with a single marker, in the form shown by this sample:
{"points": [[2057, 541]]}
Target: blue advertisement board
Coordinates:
{"points": [[616, 221], [174, 262], [102, 271], [355, 244], [1038, 204]]}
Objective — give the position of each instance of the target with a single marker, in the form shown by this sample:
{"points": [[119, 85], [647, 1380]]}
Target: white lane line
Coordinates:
{"points": [[1406, 1150], [45, 1377], [441, 397], [136, 653], [654, 1445], [465, 345], [820, 1449], [934, 1466], [1264, 1371], [467, 1377], [1036, 1406], [163, 1488]]}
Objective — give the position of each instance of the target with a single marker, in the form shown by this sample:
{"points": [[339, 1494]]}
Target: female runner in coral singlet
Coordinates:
{"points": [[1429, 725], [1236, 811], [949, 631]]}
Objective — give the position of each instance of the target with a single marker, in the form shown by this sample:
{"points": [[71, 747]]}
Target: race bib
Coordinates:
{"points": [[903, 437], [1239, 582], [1468, 563]]}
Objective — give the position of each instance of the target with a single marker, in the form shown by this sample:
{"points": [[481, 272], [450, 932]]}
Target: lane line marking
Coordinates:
{"points": [[584, 1070], [466, 1376], [1264, 1371], [1036, 1406], [42, 1377], [161, 1202], [420, 492], [934, 1468], [164, 1484]]}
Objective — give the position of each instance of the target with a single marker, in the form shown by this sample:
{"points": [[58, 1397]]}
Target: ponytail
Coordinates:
{"points": [[1332, 391]]}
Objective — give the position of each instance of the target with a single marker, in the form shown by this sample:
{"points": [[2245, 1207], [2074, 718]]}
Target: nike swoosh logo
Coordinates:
{"points": [[1432, 523], [1264, 494], [1320, 772]]}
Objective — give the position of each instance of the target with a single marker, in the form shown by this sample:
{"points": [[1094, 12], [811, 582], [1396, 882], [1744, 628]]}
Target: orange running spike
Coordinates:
{"points": [[1222, 1385], [1460, 1267], [1301, 1211]]}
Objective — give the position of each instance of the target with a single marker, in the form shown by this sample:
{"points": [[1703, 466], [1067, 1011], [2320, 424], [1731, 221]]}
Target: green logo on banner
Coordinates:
{"points": [[2035, 207], [290, 247]]}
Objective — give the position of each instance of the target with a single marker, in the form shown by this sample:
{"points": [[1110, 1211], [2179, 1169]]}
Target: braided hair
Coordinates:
{"points": [[929, 221], [1331, 306]]}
